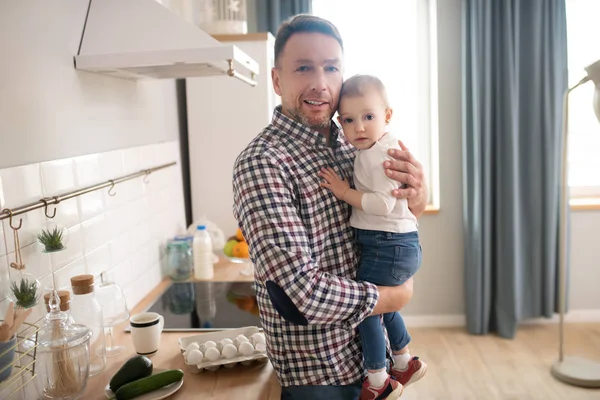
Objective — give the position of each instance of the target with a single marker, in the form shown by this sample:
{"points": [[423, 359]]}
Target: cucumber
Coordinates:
{"points": [[135, 368], [148, 384]]}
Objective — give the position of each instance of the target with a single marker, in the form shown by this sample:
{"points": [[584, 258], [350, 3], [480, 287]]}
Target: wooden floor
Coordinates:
{"points": [[463, 366]]}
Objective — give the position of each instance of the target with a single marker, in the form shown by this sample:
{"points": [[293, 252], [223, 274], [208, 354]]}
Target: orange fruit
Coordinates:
{"points": [[240, 250], [239, 236]]}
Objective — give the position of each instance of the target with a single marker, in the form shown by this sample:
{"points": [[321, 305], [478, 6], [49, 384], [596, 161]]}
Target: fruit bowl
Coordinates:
{"points": [[238, 260], [236, 248]]}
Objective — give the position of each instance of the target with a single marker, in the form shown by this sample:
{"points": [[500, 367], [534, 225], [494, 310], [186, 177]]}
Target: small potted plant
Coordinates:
{"points": [[53, 239], [25, 290]]}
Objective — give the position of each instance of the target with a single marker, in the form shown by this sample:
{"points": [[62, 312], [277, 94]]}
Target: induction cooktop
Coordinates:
{"points": [[207, 306]]}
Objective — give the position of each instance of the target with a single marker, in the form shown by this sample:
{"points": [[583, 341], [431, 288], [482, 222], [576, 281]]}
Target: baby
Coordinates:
{"points": [[385, 230]]}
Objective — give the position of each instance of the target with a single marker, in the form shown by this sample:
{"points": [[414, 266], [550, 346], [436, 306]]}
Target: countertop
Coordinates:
{"points": [[254, 382]]}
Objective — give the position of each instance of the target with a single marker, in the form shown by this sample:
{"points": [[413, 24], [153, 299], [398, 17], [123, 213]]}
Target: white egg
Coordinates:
{"points": [[229, 351], [192, 346], [209, 343], [195, 357], [246, 348], [226, 341], [212, 354], [261, 347], [241, 338], [258, 338]]}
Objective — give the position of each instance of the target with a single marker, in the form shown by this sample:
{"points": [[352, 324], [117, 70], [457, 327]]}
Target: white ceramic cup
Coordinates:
{"points": [[145, 332]]}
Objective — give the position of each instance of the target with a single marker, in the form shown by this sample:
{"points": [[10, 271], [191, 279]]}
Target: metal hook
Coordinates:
{"points": [[112, 186], [146, 180], [10, 221], [46, 208]]}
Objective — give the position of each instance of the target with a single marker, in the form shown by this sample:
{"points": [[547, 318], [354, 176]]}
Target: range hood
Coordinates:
{"points": [[142, 39]]}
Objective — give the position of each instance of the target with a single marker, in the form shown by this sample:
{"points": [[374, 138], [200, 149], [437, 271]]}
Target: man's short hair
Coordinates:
{"points": [[358, 85], [304, 23]]}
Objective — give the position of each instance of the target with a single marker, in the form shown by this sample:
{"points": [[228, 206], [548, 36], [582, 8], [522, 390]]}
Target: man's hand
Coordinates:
{"points": [[338, 186], [393, 298], [407, 170]]}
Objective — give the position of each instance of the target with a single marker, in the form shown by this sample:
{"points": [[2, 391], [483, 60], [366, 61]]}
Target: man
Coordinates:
{"points": [[298, 233]]}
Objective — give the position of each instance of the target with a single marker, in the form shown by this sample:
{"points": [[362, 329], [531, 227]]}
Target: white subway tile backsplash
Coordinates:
{"points": [[91, 205], [73, 249], [88, 170], [123, 274], [2, 241], [67, 213], [138, 211], [120, 247], [36, 262], [150, 156], [119, 220], [94, 169], [58, 177], [4, 280], [111, 164], [20, 185], [136, 188], [96, 232], [124, 234], [171, 149], [98, 260], [118, 198], [64, 274], [131, 160], [33, 223]]}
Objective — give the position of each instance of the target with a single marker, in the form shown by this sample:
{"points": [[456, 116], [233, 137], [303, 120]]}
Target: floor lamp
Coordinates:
{"points": [[576, 371]]}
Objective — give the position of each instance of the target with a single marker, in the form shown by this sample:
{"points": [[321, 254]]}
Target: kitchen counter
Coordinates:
{"points": [[254, 382]]}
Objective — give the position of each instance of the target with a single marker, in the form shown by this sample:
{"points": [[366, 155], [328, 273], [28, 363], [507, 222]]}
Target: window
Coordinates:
{"points": [[584, 130], [395, 41]]}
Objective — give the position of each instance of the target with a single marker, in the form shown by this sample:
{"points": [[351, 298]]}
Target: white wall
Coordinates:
{"points": [[62, 129], [48, 110], [439, 284]]}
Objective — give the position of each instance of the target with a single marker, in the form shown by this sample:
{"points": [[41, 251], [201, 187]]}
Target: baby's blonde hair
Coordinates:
{"points": [[358, 85]]}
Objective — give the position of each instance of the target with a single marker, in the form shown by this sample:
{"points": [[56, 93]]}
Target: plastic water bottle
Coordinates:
{"points": [[203, 255]]}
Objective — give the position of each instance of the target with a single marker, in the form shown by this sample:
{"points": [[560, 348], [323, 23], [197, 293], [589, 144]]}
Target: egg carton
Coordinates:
{"points": [[228, 348]]}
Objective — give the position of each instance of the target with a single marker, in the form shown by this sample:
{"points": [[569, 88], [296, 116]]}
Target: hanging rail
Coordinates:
{"points": [[45, 202]]}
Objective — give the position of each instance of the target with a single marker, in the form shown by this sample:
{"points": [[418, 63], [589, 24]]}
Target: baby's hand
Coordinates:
{"points": [[338, 186]]}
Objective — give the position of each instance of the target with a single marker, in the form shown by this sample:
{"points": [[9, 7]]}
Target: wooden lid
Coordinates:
{"points": [[64, 296], [82, 284]]}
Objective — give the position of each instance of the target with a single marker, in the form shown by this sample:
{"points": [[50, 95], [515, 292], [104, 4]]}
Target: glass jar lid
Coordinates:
{"points": [[58, 333]]}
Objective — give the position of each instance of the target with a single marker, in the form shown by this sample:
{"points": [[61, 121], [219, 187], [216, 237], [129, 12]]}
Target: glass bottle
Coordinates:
{"points": [[86, 310], [114, 310], [179, 260], [62, 364]]}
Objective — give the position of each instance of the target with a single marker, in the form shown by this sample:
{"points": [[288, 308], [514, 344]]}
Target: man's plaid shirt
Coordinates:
{"points": [[300, 239]]}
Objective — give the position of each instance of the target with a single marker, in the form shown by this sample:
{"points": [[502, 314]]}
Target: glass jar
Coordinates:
{"points": [[179, 260], [86, 310], [62, 363], [25, 289], [65, 302]]}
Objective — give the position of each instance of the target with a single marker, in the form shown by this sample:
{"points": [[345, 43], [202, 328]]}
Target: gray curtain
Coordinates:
{"points": [[514, 76], [271, 13]]}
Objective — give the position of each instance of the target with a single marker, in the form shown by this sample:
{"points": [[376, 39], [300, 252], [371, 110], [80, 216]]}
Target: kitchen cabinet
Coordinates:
{"points": [[224, 115]]}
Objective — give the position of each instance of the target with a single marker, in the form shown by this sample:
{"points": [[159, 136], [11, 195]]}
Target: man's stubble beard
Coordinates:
{"points": [[324, 123]]}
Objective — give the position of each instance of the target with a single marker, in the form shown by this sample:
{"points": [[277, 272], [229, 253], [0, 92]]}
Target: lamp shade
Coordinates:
{"points": [[594, 74]]}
